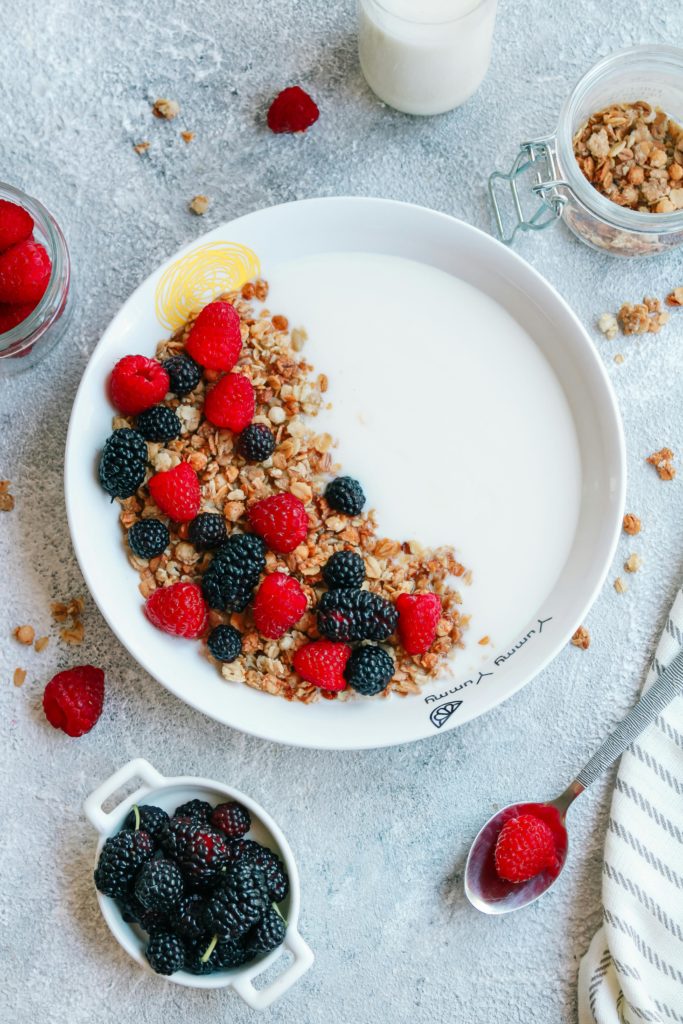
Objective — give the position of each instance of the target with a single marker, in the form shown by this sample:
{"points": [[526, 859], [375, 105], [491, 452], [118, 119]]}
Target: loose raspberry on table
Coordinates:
{"points": [[16, 224], [322, 663], [418, 617], [137, 383], [282, 521], [292, 110], [179, 610], [25, 270], [215, 338], [525, 847], [351, 614], [13, 315], [279, 604], [230, 404], [73, 699], [177, 493]]}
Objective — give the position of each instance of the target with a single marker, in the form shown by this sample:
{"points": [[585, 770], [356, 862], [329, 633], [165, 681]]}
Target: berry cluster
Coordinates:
{"points": [[25, 266], [206, 895]]}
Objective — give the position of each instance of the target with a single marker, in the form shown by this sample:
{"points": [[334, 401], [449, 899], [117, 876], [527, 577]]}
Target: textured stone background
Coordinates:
{"points": [[382, 895]]}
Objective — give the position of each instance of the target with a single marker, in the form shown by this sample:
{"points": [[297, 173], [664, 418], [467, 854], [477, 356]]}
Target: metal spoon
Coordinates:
{"points": [[483, 887]]}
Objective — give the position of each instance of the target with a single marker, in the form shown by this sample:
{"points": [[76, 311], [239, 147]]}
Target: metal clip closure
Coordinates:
{"points": [[537, 156]]}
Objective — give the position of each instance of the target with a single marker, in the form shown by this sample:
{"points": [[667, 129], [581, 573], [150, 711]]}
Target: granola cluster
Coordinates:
{"points": [[288, 393], [633, 154], [646, 317]]}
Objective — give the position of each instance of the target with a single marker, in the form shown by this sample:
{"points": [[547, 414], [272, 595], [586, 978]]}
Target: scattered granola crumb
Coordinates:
{"points": [[6, 499], [618, 359], [631, 524], [187, 136], [643, 317], [19, 676], [607, 324], [633, 563], [675, 298], [199, 205], [73, 634], [24, 634], [70, 613], [141, 147], [663, 463], [41, 643], [620, 586], [484, 641], [166, 109], [582, 638]]}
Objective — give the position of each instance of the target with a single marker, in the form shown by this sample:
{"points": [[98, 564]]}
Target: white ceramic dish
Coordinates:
{"points": [[466, 396], [169, 793]]}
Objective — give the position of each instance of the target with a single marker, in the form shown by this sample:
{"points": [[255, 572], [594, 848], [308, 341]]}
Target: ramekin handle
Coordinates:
{"points": [[261, 998], [137, 768]]}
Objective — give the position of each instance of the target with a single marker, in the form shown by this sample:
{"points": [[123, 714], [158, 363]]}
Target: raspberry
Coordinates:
{"points": [[225, 643], [215, 340], [73, 699], [350, 614], [229, 581], [158, 424], [369, 670], [207, 531], [344, 569], [256, 443], [230, 404], [148, 538], [176, 492], [16, 224], [322, 663], [418, 616], [25, 270], [344, 494], [179, 610], [11, 316], [279, 604], [525, 847], [232, 819], [292, 110], [123, 463], [159, 885], [281, 520], [165, 953], [121, 858], [184, 374], [137, 383]]}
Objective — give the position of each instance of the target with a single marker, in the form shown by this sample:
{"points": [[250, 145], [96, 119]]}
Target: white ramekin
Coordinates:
{"points": [[169, 793]]}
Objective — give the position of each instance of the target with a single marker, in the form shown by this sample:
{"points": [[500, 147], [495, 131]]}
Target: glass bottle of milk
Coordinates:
{"points": [[425, 56]]}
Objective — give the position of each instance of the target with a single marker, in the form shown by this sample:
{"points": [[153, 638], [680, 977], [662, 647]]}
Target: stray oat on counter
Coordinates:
{"points": [[582, 638], [631, 524], [663, 463], [6, 499]]}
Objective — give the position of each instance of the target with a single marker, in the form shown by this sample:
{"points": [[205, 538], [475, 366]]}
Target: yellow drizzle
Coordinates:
{"points": [[199, 276]]}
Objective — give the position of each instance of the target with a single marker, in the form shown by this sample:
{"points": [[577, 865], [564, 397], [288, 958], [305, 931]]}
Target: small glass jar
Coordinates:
{"points": [[425, 56], [547, 170], [28, 342]]}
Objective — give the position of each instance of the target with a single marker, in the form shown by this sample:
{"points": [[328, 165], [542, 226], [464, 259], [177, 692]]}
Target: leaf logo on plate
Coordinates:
{"points": [[199, 276], [440, 715]]}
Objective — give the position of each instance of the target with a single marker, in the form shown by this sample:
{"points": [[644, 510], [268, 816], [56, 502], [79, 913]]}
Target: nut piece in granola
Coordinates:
{"points": [[166, 109], [675, 298], [199, 205], [643, 317], [633, 563], [19, 677], [70, 613], [24, 634], [607, 324], [631, 524], [582, 638], [41, 643], [6, 499], [620, 586], [663, 463]]}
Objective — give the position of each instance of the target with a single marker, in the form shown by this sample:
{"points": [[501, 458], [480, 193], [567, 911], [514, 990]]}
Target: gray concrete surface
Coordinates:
{"points": [[382, 898]]}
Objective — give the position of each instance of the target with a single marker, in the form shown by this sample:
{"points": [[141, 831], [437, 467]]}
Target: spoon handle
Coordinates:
{"points": [[665, 688]]}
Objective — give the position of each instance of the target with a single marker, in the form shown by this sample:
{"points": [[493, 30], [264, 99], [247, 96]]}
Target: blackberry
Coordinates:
{"points": [[232, 819], [203, 856], [225, 643], [133, 912], [267, 934], [256, 443], [149, 818], [237, 903], [159, 885], [188, 917], [165, 953], [210, 954], [344, 569], [174, 837], [229, 581], [194, 956], [199, 809], [123, 463], [158, 424], [369, 670], [356, 615], [148, 538], [344, 494], [207, 530], [229, 953], [185, 374], [269, 862], [121, 858]]}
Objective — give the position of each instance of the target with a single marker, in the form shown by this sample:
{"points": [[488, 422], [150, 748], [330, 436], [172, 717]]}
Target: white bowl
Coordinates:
{"points": [[169, 793], [526, 478]]}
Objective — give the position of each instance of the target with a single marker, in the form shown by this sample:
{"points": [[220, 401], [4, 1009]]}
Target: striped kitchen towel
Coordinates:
{"points": [[633, 970]]}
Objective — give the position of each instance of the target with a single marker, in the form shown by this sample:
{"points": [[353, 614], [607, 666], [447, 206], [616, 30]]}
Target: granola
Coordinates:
{"points": [[6, 499], [633, 154], [663, 463], [166, 109], [675, 297], [582, 638], [199, 205], [631, 524], [643, 317], [288, 395]]}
